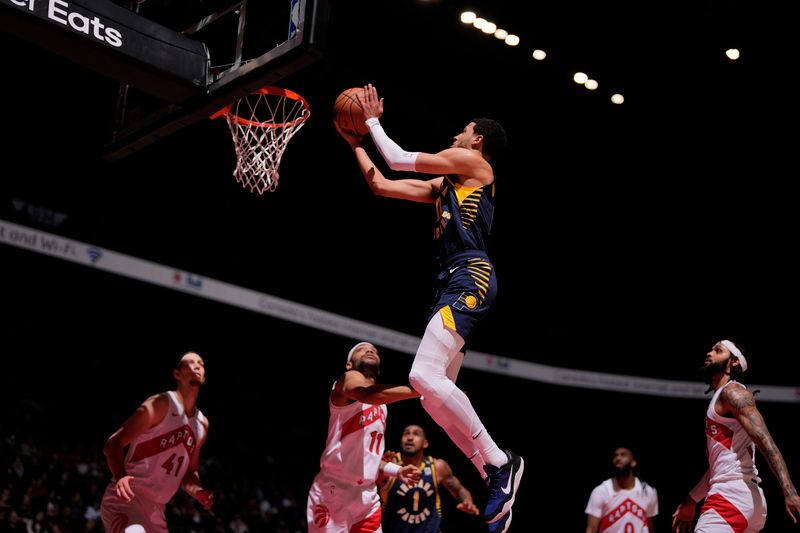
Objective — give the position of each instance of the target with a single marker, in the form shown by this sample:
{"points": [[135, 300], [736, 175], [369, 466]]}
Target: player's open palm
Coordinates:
{"points": [[371, 105]]}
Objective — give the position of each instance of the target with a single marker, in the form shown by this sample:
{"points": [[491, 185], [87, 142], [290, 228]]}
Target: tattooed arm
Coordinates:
{"points": [[739, 402], [454, 487]]}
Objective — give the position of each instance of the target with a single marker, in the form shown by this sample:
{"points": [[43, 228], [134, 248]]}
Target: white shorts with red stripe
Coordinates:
{"points": [[735, 506], [120, 516], [334, 508]]}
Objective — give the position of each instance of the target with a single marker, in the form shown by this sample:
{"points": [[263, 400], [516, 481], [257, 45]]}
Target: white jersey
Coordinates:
{"points": [[622, 510], [159, 457], [731, 452], [355, 443]]}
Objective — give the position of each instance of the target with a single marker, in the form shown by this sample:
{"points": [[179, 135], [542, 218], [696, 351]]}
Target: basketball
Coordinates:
{"points": [[347, 112]]}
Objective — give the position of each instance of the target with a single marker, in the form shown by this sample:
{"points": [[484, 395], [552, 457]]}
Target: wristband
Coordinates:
{"points": [[391, 469]]}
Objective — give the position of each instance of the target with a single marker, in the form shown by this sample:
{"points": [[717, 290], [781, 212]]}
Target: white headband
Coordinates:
{"points": [[736, 352], [353, 349]]}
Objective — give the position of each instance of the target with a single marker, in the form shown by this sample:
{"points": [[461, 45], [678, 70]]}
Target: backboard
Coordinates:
{"points": [[177, 61], [250, 44]]}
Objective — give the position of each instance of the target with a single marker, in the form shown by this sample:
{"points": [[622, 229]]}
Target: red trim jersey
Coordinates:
{"points": [[731, 451], [355, 443], [159, 457], [621, 510]]}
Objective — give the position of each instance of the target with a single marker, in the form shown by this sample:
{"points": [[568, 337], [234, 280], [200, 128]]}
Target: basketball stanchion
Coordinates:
{"points": [[261, 124]]}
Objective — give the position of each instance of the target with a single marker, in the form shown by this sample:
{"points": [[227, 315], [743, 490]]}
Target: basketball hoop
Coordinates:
{"points": [[261, 124]]}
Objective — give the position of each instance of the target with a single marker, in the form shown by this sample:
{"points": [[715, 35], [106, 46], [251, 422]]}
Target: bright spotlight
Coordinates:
{"points": [[539, 55], [732, 53], [501, 34], [580, 78], [590, 84], [468, 17], [512, 40], [617, 98], [489, 27], [479, 23]]}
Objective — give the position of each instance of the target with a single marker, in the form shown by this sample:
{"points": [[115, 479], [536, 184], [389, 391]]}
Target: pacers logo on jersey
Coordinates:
{"points": [[466, 301]]}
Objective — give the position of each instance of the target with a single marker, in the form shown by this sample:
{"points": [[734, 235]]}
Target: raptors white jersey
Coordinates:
{"points": [[622, 510], [355, 443], [159, 457], [731, 452]]}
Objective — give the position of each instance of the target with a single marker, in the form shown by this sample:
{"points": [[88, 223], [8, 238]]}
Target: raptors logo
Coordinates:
{"points": [[321, 516]]}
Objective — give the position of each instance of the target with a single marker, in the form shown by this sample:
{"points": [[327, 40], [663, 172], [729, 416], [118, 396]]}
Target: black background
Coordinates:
{"points": [[627, 239]]}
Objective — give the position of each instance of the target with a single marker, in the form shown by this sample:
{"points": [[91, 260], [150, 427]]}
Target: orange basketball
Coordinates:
{"points": [[347, 112]]}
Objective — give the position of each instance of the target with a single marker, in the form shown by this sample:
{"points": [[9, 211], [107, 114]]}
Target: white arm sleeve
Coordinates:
{"points": [[395, 157]]}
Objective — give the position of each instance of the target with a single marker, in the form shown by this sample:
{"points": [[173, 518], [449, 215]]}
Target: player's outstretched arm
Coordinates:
{"points": [[355, 386], [414, 190], [740, 402], [455, 488]]}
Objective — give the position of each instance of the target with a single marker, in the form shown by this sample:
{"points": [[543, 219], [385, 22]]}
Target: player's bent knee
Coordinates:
{"points": [[422, 384], [433, 389]]}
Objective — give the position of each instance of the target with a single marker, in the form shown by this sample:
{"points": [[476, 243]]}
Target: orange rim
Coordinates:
{"points": [[275, 91]]}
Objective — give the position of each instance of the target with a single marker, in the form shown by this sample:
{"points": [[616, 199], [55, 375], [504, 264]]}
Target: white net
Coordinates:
{"points": [[261, 124]]}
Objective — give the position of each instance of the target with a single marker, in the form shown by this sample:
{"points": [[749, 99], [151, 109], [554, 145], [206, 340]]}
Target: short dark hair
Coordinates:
{"points": [[626, 447], [424, 433], [494, 137]]}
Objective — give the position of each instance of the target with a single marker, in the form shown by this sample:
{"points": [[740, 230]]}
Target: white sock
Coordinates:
{"points": [[467, 445]]}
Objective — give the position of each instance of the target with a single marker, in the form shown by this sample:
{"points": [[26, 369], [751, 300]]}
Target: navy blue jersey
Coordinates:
{"points": [[463, 219], [414, 509], [465, 284]]}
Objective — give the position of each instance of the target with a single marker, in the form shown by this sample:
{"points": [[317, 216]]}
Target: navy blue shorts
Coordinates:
{"points": [[466, 288]]}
